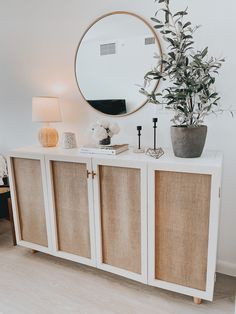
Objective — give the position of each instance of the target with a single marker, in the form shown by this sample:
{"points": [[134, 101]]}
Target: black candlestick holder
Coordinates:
{"points": [[139, 149], [155, 152]]}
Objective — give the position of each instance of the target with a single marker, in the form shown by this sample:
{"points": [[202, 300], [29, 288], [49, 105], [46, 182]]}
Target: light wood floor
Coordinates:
{"points": [[40, 284]]}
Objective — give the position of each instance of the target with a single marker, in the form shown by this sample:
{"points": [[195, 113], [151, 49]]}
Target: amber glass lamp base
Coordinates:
{"points": [[48, 137]]}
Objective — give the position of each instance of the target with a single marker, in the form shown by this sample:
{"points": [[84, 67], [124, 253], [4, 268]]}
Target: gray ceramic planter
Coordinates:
{"points": [[188, 142]]}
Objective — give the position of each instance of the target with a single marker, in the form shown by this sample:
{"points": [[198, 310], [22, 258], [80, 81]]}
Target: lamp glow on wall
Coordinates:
{"points": [[46, 110]]}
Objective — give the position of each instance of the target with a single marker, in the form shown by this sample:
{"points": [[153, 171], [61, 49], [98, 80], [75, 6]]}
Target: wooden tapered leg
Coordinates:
{"points": [[197, 300]]}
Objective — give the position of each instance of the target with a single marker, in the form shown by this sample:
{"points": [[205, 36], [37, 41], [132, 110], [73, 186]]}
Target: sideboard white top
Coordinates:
{"points": [[208, 158]]}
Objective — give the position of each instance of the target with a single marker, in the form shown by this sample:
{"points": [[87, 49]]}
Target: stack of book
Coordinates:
{"points": [[105, 150]]}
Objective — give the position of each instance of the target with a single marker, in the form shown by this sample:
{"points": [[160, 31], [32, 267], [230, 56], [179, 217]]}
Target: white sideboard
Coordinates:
{"points": [[153, 221]]}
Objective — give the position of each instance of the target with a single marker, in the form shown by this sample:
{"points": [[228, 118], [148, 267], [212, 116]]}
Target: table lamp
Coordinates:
{"points": [[46, 110]]}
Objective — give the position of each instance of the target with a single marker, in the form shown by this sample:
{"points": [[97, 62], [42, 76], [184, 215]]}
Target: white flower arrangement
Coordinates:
{"points": [[3, 169], [103, 129]]}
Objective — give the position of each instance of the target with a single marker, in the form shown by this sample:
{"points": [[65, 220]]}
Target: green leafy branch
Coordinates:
{"points": [[191, 73]]}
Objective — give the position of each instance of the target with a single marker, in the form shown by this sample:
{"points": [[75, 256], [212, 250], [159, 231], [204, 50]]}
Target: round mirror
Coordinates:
{"points": [[111, 60]]}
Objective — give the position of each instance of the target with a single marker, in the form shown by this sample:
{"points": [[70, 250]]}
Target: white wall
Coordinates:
{"points": [[38, 42]]}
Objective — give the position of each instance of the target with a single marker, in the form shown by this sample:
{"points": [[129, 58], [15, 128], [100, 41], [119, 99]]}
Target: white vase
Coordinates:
{"points": [[68, 140]]}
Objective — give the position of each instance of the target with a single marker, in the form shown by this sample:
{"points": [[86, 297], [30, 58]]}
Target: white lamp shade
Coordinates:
{"points": [[46, 109]]}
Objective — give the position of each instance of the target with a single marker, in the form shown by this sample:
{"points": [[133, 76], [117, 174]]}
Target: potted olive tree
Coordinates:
{"points": [[191, 76]]}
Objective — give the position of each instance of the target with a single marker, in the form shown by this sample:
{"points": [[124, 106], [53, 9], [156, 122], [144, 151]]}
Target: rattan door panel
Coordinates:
{"points": [[121, 217], [70, 191], [182, 209], [30, 200]]}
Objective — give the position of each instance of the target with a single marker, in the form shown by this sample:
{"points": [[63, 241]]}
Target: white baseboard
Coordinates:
{"points": [[226, 268]]}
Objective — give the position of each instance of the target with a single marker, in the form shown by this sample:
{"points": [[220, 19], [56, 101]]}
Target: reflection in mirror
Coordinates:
{"points": [[111, 60]]}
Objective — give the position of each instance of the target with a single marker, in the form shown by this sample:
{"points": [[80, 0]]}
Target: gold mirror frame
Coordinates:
{"points": [[157, 43]]}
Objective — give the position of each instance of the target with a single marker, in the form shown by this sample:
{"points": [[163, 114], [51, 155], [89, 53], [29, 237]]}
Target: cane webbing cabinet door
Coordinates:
{"points": [[180, 210], [72, 203], [121, 217], [181, 227], [29, 197]]}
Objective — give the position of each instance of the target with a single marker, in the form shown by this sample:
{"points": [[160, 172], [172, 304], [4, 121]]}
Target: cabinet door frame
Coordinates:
{"points": [[15, 207], [215, 173], [142, 166], [75, 159]]}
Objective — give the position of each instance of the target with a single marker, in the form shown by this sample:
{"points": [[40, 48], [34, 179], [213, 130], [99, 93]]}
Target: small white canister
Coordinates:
{"points": [[68, 140]]}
